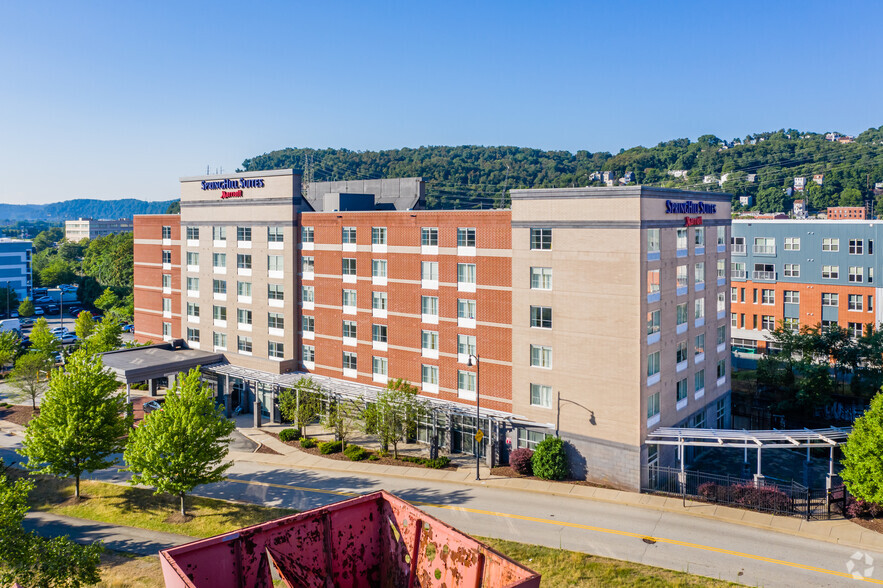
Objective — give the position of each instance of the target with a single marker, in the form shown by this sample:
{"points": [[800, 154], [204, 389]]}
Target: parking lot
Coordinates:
{"points": [[66, 320]]}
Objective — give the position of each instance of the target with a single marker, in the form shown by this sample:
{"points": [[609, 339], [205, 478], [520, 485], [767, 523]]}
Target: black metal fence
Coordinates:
{"points": [[791, 499]]}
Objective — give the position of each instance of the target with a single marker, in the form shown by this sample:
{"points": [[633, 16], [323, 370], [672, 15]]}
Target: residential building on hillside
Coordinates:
{"points": [[847, 212], [91, 228], [525, 309], [15, 266]]}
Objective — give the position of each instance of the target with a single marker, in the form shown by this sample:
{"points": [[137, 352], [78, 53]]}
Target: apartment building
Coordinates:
{"points": [[597, 314], [15, 266], [802, 272], [92, 228]]}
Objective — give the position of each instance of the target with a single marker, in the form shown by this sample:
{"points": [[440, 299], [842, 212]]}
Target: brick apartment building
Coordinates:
{"points": [[598, 314]]}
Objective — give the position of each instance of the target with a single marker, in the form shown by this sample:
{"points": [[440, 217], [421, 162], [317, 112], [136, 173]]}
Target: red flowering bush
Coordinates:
{"points": [[520, 460]]}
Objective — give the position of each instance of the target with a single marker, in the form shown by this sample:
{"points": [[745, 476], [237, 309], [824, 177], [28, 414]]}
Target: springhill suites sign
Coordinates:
{"points": [[689, 207], [233, 184]]}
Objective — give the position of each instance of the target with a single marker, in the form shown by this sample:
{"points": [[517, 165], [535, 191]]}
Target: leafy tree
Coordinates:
{"points": [[394, 414], [183, 445], [10, 347], [71, 251], [84, 325], [106, 336], [342, 418], [58, 271], [48, 238], [549, 461], [88, 290], [863, 455], [174, 207], [42, 339], [8, 299], [301, 405], [107, 300], [109, 260], [26, 308], [30, 375], [82, 422], [850, 197]]}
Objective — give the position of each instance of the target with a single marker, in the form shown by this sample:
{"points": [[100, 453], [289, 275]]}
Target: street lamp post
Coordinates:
{"points": [[473, 362]]}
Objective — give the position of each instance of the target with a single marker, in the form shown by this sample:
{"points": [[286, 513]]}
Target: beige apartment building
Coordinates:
{"points": [[92, 228]]}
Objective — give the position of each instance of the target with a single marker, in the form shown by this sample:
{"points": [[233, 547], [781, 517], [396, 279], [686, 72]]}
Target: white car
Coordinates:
{"points": [[60, 330], [66, 338]]}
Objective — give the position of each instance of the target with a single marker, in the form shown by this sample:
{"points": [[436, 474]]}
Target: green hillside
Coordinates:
{"points": [[82, 207], [473, 176]]}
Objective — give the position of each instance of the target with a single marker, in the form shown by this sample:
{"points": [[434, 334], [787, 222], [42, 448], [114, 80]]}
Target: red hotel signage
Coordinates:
{"points": [[692, 222], [238, 194]]}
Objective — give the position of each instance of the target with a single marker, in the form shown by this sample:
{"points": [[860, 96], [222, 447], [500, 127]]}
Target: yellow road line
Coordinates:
{"points": [[582, 527]]}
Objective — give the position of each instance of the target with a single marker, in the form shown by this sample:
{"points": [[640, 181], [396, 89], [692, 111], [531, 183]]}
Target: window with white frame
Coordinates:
{"points": [[653, 405], [791, 324], [429, 340], [350, 361], [699, 236], [768, 322], [219, 286], [349, 298], [830, 272], [429, 270], [193, 233], [192, 258], [308, 323], [243, 261], [722, 368], [166, 256], [276, 349], [721, 413], [166, 281], [348, 266], [243, 289], [308, 354], [219, 340], [681, 239], [465, 309], [275, 320], [653, 325], [653, 364], [379, 366], [699, 308], [219, 313], [767, 296], [541, 278], [856, 330], [721, 334], [430, 374], [276, 263], [764, 245], [541, 239], [699, 380], [792, 297], [681, 352], [193, 309], [167, 232], [429, 236], [792, 270], [856, 246], [856, 302], [307, 234], [541, 317], [721, 301], [652, 240], [275, 235], [721, 236], [681, 274], [349, 329], [219, 260], [466, 273], [308, 294], [681, 389], [699, 273], [193, 284], [653, 281], [466, 381], [466, 344], [721, 269], [167, 329], [541, 395], [277, 291], [167, 305], [540, 356], [243, 316], [734, 294], [378, 300], [429, 305], [378, 333], [378, 268], [243, 234], [378, 235], [348, 235], [219, 233], [792, 243], [699, 344], [830, 244], [465, 237], [681, 313], [856, 274], [193, 334], [830, 299]]}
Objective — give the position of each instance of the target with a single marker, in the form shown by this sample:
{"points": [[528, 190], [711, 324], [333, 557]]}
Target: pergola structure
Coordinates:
{"points": [[742, 439]]}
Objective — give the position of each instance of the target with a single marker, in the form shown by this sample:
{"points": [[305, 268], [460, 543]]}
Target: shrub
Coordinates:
{"points": [[439, 462], [373, 457], [520, 460], [330, 447], [307, 443], [549, 461], [356, 453], [287, 435], [863, 509]]}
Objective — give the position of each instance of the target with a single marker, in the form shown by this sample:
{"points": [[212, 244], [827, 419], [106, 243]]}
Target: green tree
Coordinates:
{"points": [[30, 376], [26, 308], [10, 347], [8, 299], [850, 197], [183, 445], [107, 300], [342, 418], [301, 405], [58, 271], [174, 207], [82, 423], [42, 339], [84, 325], [863, 455], [394, 414], [549, 461], [107, 335]]}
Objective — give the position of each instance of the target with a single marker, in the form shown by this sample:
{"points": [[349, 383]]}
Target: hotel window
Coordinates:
{"points": [[653, 322], [277, 291], [193, 233], [830, 244], [193, 309], [541, 278], [429, 270], [681, 389], [681, 310], [681, 239], [466, 344], [378, 333], [219, 260], [243, 289], [653, 364], [541, 395], [465, 309], [829, 299], [466, 273], [540, 356], [681, 352], [219, 313], [378, 300], [722, 368], [378, 268], [653, 405], [855, 302], [429, 305], [348, 235], [831, 272], [737, 269], [243, 316], [349, 329], [681, 276], [792, 243], [768, 322], [721, 334], [243, 261], [166, 281], [791, 324], [349, 266], [243, 234], [541, 317], [219, 340], [308, 354], [792, 270], [167, 232], [167, 305], [767, 296], [856, 246], [193, 284], [856, 274], [193, 335], [738, 244], [378, 235], [699, 236], [307, 234], [275, 235], [429, 340], [721, 301], [243, 344], [275, 320], [349, 360], [765, 245], [699, 308], [721, 417], [349, 298], [721, 269], [699, 380], [541, 239], [652, 240], [307, 263], [380, 366], [870, 303], [166, 256], [721, 236], [219, 286], [430, 374], [192, 258], [465, 237], [855, 330], [466, 381], [308, 323], [653, 281], [792, 297], [699, 273], [166, 330], [734, 294], [276, 263], [219, 233], [308, 293], [275, 349], [429, 237], [699, 344]]}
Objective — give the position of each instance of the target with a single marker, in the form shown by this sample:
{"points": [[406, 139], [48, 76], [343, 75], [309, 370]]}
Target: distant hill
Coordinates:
{"points": [[82, 207], [471, 176]]}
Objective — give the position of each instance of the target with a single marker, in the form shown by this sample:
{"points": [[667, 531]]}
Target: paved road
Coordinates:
{"points": [[708, 547]]}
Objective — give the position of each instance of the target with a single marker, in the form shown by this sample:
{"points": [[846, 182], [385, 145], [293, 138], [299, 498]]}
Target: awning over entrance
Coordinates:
{"points": [[140, 364], [775, 438]]}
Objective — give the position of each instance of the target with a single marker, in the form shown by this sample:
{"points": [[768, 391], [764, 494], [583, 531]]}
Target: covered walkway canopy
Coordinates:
{"points": [[150, 362]]}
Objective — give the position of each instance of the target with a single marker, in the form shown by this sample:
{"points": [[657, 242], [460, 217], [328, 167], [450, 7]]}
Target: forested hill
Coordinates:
{"points": [[475, 176], [72, 209]]}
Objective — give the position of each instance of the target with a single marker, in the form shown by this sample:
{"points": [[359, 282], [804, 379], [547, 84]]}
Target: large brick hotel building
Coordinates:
{"points": [[598, 314]]}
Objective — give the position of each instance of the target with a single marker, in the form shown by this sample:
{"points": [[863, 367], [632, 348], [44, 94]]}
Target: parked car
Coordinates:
{"points": [[51, 309], [66, 338], [39, 311], [26, 322], [74, 310], [59, 330], [128, 328], [43, 300], [153, 405], [13, 314]]}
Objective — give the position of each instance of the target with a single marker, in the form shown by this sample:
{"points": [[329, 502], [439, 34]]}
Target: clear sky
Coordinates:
{"points": [[120, 99]]}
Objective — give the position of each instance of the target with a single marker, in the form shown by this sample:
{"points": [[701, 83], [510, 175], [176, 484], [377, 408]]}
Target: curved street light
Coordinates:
{"points": [[472, 361]]}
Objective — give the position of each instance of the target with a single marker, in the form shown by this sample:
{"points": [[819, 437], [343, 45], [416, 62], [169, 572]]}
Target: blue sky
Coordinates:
{"points": [[119, 99]]}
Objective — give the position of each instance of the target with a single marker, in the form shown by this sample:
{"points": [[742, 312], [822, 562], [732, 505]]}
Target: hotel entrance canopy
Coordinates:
{"points": [[140, 364], [736, 438]]}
